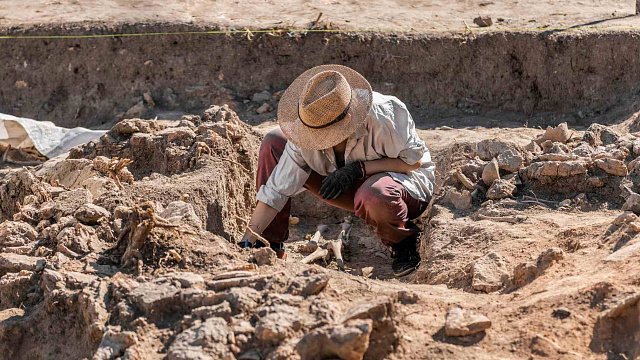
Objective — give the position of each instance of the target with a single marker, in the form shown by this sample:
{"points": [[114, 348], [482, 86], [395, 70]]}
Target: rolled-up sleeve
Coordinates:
{"points": [[286, 180], [403, 141]]}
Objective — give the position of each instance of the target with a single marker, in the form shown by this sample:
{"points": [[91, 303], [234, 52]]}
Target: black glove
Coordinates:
{"points": [[341, 180]]}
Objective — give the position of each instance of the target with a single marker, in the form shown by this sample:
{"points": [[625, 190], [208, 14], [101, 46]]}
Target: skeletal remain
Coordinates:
{"points": [[312, 245], [343, 240], [320, 253], [115, 168], [323, 250], [233, 275], [142, 219], [464, 180], [221, 285], [199, 150], [508, 219]]}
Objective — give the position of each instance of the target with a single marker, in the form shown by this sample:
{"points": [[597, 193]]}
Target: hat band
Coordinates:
{"points": [[338, 118]]}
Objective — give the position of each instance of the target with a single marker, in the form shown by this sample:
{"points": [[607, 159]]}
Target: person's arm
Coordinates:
{"points": [[389, 165], [262, 216], [285, 181]]}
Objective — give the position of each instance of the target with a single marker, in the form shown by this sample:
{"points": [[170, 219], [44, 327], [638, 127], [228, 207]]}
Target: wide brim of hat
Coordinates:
{"points": [[319, 139]]}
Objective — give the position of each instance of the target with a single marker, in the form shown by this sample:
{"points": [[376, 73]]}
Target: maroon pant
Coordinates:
{"points": [[379, 200]]}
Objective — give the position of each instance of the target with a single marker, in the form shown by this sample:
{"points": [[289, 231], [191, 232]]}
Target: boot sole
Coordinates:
{"points": [[405, 271]]}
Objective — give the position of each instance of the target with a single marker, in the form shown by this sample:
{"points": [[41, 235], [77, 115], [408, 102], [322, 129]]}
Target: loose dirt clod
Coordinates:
{"points": [[461, 322]]}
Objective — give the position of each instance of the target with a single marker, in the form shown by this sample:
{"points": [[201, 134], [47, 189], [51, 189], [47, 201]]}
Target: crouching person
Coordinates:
{"points": [[354, 149]]}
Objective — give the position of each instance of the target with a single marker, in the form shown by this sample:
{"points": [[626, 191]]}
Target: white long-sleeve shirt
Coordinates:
{"points": [[388, 132]]}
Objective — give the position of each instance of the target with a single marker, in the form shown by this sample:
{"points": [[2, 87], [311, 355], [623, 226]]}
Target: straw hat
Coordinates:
{"points": [[323, 106]]}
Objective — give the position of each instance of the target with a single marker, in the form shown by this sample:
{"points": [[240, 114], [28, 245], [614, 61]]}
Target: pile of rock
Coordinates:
{"points": [[555, 162]]}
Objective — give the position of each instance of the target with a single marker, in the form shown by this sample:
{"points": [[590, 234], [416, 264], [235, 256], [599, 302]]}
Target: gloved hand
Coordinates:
{"points": [[341, 180]]}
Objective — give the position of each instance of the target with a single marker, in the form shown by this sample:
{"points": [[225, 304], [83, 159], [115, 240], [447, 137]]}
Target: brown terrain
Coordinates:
{"points": [[126, 249]]}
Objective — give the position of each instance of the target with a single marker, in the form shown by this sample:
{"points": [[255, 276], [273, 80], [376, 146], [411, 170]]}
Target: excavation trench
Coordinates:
{"points": [[541, 220], [531, 77]]}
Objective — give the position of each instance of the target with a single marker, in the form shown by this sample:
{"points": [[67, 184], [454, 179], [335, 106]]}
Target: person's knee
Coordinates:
{"points": [[273, 140], [375, 196]]}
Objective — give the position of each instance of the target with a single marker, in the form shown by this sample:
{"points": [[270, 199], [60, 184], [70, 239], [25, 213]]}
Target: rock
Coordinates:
{"points": [[491, 172], [463, 179], [510, 160], [533, 147], [561, 313], [222, 310], [375, 309], [14, 288], [278, 325], [68, 202], [565, 203], [461, 200], [524, 273], [347, 341], [552, 169], [153, 298], [623, 306], [16, 233], [583, 150], [489, 149], [261, 97], [461, 322], [483, 21], [501, 189], [489, 273], [92, 304], [13, 263], [632, 203], [114, 343], [265, 256], [90, 214], [178, 135], [187, 279], [625, 218], [264, 108], [308, 283], [381, 311], [204, 340], [407, 297], [548, 257], [136, 111], [178, 212], [542, 346], [81, 239], [556, 157], [634, 166], [609, 136], [636, 147], [549, 147], [559, 133], [628, 250], [598, 134], [612, 166], [367, 271]]}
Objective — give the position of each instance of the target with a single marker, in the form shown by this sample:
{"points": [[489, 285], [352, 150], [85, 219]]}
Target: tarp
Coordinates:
{"points": [[49, 139]]}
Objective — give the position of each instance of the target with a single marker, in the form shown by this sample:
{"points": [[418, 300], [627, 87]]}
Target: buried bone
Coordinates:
{"points": [[323, 250]]}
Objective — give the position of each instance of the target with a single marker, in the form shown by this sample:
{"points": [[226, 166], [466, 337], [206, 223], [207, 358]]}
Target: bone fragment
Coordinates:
{"points": [[320, 253]]}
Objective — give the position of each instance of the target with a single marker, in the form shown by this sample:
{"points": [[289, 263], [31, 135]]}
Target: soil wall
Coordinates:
{"points": [[539, 77]]}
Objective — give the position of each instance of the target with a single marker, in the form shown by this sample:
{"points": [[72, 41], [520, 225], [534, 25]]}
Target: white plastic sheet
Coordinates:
{"points": [[49, 139]]}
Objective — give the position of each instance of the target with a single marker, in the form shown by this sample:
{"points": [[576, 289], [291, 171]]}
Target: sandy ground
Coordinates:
{"points": [[386, 15]]}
